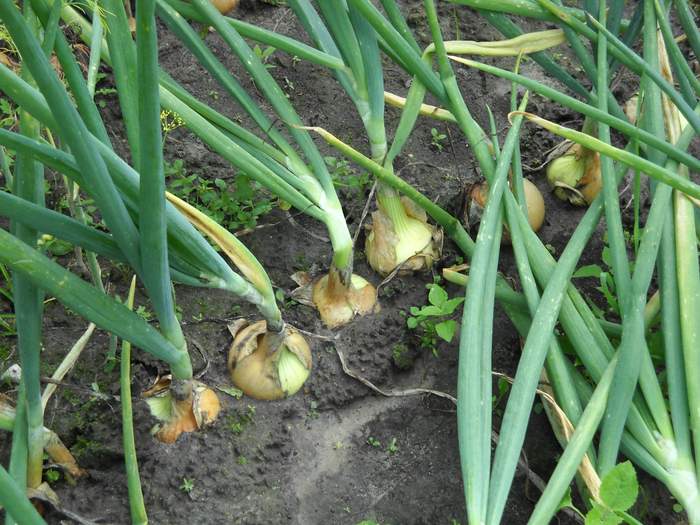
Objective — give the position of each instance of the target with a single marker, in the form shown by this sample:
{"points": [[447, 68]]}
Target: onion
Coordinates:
{"points": [[575, 175], [407, 240], [533, 198], [225, 6], [338, 304], [181, 406], [269, 366]]}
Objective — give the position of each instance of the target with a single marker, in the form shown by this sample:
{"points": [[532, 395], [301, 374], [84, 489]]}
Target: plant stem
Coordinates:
{"points": [[133, 479]]}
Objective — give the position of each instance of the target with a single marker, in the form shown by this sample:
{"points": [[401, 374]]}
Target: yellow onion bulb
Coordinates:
{"points": [[575, 176], [188, 407], [225, 6], [412, 244], [338, 304], [269, 366], [533, 199]]}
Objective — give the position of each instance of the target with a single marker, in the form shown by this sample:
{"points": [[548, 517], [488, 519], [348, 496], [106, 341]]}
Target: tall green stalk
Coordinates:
{"points": [[133, 479], [149, 163], [28, 299]]}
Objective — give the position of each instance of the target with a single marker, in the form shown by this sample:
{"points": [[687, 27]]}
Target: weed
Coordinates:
{"points": [[372, 441], [437, 139], [401, 356], [235, 206], [52, 476], [264, 54], [237, 422], [345, 177], [430, 318], [187, 485], [393, 447], [242, 460]]}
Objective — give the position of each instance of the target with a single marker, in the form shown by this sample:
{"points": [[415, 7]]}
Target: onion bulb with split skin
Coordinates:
{"points": [[478, 195], [575, 175], [401, 236], [181, 406], [268, 365]]}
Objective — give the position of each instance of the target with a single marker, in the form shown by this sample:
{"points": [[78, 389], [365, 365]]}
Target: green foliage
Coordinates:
{"points": [[235, 206], [239, 420], [437, 140], [430, 318], [374, 442], [187, 485], [618, 492], [393, 446], [344, 176], [52, 475], [264, 54], [400, 354]]}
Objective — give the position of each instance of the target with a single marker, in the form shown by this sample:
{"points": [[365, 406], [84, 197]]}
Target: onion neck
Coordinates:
{"points": [[341, 242], [390, 204]]}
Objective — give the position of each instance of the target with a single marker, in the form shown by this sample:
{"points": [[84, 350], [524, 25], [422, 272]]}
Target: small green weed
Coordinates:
{"points": [[345, 177], [187, 485], [437, 139], [430, 318], [235, 206]]}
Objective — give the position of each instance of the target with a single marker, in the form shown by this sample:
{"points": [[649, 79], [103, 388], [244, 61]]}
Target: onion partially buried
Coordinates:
{"points": [[265, 365], [478, 195], [410, 243], [575, 175], [181, 406]]}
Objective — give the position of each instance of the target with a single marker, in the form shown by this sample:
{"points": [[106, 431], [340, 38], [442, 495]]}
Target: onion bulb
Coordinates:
{"points": [[225, 6], [407, 240], [533, 198], [338, 304], [575, 175], [269, 366], [181, 406]]}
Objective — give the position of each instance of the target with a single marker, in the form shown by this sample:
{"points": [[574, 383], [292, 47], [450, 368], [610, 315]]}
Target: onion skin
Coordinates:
{"points": [[193, 405], [225, 6], [416, 250], [533, 198], [338, 304], [253, 360], [575, 176]]}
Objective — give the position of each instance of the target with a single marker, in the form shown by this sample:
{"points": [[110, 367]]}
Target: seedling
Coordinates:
{"points": [[264, 54], [393, 447], [430, 318], [374, 442], [437, 139], [187, 485]]}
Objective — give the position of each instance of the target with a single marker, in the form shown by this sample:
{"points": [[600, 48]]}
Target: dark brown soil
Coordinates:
{"points": [[307, 460]]}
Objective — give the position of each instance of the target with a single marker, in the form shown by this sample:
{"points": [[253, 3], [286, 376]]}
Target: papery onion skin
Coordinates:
{"points": [[337, 304], [256, 368], [412, 245], [225, 6], [533, 199], [575, 176]]}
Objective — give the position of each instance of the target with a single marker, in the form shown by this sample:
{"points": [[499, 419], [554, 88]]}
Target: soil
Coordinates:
{"points": [[309, 459]]}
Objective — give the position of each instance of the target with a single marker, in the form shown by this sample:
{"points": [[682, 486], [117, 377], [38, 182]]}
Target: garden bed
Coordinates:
{"points": [[337, 452]]}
